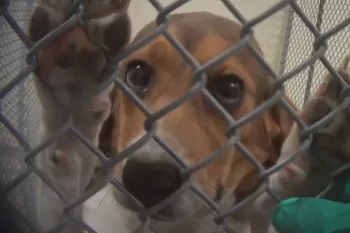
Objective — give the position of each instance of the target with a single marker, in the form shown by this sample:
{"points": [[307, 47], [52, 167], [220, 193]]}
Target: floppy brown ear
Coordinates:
{"points": [[278, 124], [106, 134]]}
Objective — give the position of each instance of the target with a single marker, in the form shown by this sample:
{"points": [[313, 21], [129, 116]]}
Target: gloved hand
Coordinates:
{"points": [[313, 215]]}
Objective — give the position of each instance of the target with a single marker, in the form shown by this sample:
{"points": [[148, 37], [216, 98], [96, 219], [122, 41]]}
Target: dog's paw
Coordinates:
{"points": [[65, 170], [107, 23], [47, 15], [73, 49], [71, 66], [79, 55], [71, 58]]}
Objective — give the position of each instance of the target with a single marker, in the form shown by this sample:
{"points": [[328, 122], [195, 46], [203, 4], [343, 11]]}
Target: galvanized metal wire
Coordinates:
{"points": [[17, 140]]}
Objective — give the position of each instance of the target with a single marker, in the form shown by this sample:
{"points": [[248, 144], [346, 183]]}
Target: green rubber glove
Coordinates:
{"points": [[313, 215]]}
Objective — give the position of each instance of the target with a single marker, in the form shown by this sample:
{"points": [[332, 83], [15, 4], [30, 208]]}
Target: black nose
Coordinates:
{"points": [[151, 182]]}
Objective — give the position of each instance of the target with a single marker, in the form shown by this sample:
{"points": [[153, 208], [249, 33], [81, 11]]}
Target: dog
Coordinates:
{"points": [[310, 173], [158, 74], [70, 67]]}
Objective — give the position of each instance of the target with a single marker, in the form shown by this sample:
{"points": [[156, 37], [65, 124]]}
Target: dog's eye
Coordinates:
{"points": [[139, 76], [228, 90]]}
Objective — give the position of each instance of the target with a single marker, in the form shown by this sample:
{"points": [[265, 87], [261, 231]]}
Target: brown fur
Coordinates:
{"points": [[194, 124]]}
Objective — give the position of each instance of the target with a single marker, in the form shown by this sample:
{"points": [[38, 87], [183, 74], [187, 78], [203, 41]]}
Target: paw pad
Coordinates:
{"points": [[106, 22]]}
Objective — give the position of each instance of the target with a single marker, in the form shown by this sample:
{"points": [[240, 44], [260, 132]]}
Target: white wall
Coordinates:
{"points": [[268, 33]]}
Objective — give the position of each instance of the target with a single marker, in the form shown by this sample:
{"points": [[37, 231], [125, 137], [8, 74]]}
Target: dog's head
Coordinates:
{"points": [[158, 74], [330, 146]]}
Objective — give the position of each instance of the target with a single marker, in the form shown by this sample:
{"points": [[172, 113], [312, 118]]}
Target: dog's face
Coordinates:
{"points": [[159, 75]]}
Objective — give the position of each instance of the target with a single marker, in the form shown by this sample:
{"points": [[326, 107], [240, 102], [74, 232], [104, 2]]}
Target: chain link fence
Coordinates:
{"points": [[19, 107], [325, 15], [311, 23]]}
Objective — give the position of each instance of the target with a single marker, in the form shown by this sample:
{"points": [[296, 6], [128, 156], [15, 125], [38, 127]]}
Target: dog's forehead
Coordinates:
{"points": [[192, 28]]}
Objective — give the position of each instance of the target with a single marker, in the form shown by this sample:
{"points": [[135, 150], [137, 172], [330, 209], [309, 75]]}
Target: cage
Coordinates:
{"points": [[286, 29]]}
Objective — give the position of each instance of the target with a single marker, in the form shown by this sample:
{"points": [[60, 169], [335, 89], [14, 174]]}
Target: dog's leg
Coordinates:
{"points": [[70, 66], [281, 183], [70, 168], [64, 170], [64, 175]]}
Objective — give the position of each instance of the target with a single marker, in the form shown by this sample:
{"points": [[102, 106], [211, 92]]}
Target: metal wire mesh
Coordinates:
{"points": [[324, 15], [312, 22], [19, 107]]}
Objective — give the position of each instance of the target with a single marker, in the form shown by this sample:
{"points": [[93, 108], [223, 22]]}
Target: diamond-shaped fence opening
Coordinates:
{"points": [[302, 63]]}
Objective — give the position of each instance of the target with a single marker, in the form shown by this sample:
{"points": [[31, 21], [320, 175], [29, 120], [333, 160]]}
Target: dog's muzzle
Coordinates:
{"points": [[151, 182], [152, 176]]}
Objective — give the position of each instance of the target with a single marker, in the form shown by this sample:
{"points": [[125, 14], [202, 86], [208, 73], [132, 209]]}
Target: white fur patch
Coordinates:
{"points": [[102, 213], [105, 20], [152, 151], [291, 144]]}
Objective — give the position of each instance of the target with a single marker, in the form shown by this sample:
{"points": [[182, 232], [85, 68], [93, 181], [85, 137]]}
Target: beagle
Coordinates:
{"points": [[74, 63], [310, 173], [158, 74], [69, 68]]}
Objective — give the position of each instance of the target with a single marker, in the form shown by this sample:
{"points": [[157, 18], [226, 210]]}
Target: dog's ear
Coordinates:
{"points": [[278, 123], [106, 134]]}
